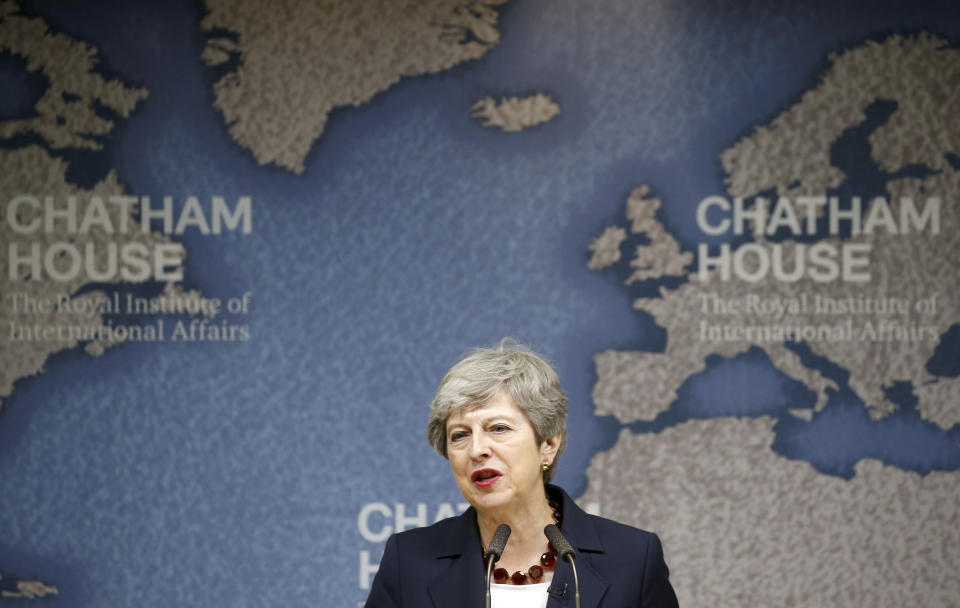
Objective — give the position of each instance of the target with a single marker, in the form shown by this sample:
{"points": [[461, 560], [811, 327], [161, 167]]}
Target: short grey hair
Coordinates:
{"points": [[483, 373]]}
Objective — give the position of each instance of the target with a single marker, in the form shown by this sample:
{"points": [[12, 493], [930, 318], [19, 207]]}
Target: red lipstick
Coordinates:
{"points": [[485, 477]]}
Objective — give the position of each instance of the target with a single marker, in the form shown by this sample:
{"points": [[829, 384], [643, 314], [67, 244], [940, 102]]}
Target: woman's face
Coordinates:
{"points": [[495, 457]]}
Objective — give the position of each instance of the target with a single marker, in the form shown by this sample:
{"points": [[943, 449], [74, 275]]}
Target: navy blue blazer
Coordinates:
{"points": [[442, 566]]}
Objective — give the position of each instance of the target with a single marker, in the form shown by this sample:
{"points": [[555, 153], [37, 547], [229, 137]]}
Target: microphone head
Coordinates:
{"points": [[500, 536], [564, 550]]}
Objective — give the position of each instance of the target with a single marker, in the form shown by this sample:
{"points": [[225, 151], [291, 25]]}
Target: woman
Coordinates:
{"points": [[499, 417]]}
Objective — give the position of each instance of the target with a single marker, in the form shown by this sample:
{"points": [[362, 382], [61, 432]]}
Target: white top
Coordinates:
{"points": [[519, 596]]}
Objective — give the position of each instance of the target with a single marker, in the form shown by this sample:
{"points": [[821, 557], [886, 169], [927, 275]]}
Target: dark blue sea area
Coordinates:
{"points": [[21, 89]]}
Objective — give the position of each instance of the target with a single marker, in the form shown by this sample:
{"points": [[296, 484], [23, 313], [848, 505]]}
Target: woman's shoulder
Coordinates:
{"points": [[609, 533]]}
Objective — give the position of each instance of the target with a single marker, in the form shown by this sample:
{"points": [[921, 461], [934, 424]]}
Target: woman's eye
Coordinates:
{"points": [[499, 428], [457, 436]]}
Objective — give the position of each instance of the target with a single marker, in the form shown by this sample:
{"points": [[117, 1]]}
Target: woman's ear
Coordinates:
{"points": [[549, 447]]}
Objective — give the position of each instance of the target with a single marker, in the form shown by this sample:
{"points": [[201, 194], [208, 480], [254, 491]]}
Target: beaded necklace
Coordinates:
{"points": [[535, 572]]}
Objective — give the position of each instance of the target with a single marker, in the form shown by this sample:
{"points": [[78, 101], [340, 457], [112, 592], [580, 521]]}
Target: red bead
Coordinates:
{"points": [[548, 559], [535, 573], [500, 575], [519, 578]]}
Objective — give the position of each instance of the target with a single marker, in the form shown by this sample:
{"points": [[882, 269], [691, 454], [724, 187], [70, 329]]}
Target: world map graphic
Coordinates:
{"points": [[402, 180]]}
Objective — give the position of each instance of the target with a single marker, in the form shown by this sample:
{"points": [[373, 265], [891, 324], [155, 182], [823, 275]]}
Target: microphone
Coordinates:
{"points": [[565, 551], [494, 551]]}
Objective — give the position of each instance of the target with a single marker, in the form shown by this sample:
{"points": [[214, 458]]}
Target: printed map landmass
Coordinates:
{"points": [[513, 114], [300, 60], [30, 590], [903, 266], [743, 525], [65, 118], [69, 65]]}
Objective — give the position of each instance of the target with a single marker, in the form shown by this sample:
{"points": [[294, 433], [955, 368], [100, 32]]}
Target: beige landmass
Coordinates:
{"points": [[743, 526], [30, 590], [66, 115], [299, 60], [27, 170], [68, 65], [921, 74], [792, 156], [634, 385], [515, 113], [606, 248], [662, 257]]}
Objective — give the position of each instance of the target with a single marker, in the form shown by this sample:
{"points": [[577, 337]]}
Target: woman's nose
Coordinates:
{"points": [[479, 446]]}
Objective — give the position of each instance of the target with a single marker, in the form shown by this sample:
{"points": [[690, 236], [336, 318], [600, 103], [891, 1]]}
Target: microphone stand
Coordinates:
{"points": [[565, 551], [576, 580], [494, 551], [489, 576]]}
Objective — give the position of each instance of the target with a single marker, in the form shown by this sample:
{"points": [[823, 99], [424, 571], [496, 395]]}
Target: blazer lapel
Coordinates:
{"points": [[580, 533], [592, 586], [462, 584]]}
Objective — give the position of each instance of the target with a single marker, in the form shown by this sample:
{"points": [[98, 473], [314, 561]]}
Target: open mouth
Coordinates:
{"points": [[485, 477]]}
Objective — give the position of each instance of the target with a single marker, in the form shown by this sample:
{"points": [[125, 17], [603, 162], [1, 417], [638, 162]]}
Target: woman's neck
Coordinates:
{"points": [[526, 520]]}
